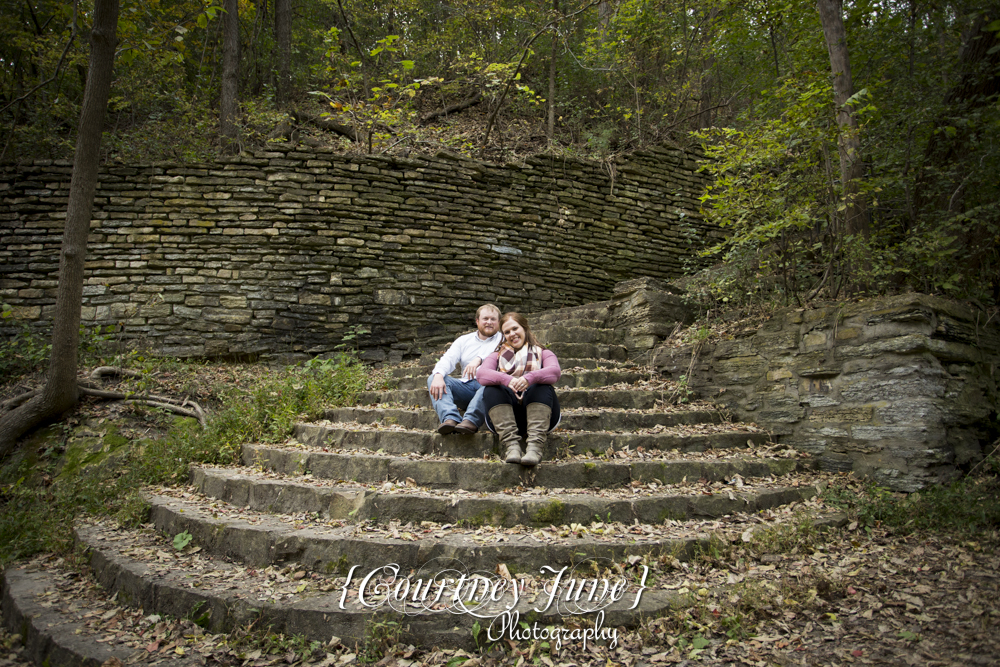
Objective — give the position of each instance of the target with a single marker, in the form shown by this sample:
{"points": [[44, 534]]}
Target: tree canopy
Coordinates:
{"points": [[752, 81]]}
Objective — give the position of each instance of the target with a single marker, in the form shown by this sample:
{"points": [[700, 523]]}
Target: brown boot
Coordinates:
{"points": [[502, 417], [539, 416]]}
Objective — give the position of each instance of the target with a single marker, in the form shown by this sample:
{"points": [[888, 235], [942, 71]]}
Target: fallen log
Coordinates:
{"points": [[327, 124], [454, 108]]}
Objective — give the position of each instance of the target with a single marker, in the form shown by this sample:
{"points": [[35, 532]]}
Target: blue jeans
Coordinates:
{"points": [[457, 396]]}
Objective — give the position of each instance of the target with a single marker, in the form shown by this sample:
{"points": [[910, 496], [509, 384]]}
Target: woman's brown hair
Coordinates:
{"points": [[529, 338]]}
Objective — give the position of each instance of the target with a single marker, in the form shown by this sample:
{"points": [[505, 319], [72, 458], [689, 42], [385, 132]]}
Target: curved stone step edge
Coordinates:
{"points": [[485, 444], [639, 399], [50, 635], [356, 505], [320, 618], [585, 380], [424, 419], [293, 497], [423, 369], [269, 540], [497, 476]]}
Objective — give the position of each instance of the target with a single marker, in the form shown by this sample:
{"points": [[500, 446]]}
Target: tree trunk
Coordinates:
{"points": [[230, 75], [605, 12], [550, 130], [851, 164], [283, 35], [707, 81], [61, 391]]}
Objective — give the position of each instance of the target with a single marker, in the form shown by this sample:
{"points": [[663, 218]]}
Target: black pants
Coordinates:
{"points": [[494, 395]]}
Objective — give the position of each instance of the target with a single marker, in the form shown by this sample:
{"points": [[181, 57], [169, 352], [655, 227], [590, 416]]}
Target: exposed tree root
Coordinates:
{"points": [[185, 407], [163, 402], [104, 371], [12, 403]]}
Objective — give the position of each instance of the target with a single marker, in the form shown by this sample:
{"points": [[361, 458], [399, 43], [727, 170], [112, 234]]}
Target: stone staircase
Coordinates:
{"points": [[629, 480]]}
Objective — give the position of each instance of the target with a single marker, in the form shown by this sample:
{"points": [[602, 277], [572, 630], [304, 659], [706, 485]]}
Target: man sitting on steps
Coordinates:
{"points": [[449, 394]]}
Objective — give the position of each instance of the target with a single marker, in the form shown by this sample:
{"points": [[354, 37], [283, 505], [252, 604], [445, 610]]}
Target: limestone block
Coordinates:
{"points": [[814, 339], [776, 342], [158, 310], [855, 414], [784, 410], [186, 312], [229, 301], [740, 347], [307, 298], [847, 333], [742, 369], [874, 388], [914, 433], [197, 300], [850, 446]]}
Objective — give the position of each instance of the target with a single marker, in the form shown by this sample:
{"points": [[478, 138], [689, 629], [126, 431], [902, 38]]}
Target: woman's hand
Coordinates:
{"points": [[518, 384]]}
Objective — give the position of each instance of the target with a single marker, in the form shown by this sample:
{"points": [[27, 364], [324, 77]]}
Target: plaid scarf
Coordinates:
{"points": [[518, 362]]}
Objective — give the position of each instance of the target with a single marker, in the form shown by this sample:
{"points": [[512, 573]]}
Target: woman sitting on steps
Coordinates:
{"points": [[518, 394]]}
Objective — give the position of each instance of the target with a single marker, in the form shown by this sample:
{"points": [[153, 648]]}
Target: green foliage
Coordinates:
{"points": [[967, 506], [380, 635], [267, 411], [263, 638], [181, 540], [27, 350], [927, 144], [772, 191], [42, 492]]}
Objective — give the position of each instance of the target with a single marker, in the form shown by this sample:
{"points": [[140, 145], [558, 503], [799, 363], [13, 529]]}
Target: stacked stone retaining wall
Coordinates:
{"points": [[901, 389], [283, 252]]}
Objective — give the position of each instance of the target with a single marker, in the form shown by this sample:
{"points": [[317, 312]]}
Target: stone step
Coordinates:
{"points": [[321, 545], [271, 493], [573, 419], [554, 333], [484, 444], [629, 399], [590, 351], [49, 605], [593, 312], [563, 350], [268, 590], [489, 476], [585, 378], [423, 369], [579, 323]]}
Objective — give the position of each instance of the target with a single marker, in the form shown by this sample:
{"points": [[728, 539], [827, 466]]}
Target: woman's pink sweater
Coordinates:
{"points": [[549, 373]]}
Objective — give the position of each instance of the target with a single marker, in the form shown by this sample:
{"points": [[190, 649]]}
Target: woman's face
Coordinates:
{"points": [[514, 333]]}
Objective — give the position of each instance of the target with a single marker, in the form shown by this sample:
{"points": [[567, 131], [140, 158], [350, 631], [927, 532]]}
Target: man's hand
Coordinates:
{"points": [[437, 387], [469, 372]]}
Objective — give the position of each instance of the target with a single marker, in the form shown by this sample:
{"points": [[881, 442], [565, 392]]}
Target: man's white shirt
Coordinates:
{"points": [[464, 350]]}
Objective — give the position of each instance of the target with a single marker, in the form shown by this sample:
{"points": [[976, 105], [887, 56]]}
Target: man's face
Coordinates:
{"points": [[487, 322]]}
